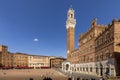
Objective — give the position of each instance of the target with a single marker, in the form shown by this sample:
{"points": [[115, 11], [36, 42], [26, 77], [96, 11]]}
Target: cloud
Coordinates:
{"points": [[36, 40]]}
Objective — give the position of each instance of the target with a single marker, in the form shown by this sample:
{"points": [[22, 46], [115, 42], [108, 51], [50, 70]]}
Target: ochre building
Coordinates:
{"points": [[10, 59], [37, 61], [20, 60], [56, 62], [4, 55], [99, 48], [6, 58]]}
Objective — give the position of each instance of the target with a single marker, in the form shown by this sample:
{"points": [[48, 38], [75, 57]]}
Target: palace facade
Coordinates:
{"points": [[37, 61], [99, 48], [56, 62], [5, 58], [21, 60], [8, 59]]}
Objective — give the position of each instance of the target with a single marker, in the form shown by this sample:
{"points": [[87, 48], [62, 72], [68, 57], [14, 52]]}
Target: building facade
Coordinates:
{"points": [[4, 55], [107, 49], [10, 59], [37, 61], [20, 60], [56, 62], [98, 52]]}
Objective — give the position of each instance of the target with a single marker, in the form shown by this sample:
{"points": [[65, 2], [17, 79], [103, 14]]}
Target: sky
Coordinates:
{"points": [[38, 26]]}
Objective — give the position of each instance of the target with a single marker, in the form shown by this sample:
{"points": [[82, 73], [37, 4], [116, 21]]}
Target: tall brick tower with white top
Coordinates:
{"points": [[70, 26]]}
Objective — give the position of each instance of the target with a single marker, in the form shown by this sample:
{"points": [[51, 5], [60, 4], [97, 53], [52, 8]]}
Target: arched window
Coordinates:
{"points": [[101, 57], [90, 69], [108, 55], [67, 66], [96, 69], [107, 71], [107, 35], [71, 15], [87, 69], [83, 69]]}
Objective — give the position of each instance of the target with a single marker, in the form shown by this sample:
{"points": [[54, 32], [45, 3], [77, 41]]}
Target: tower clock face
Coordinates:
{"points": [[67, 51]]}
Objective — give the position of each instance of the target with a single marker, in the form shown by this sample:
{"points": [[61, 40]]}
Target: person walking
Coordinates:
{"points": [[102, 78]]}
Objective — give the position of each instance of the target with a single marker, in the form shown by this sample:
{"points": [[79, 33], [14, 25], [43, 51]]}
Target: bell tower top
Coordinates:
{"points": [[71, 21], [70, 13]]}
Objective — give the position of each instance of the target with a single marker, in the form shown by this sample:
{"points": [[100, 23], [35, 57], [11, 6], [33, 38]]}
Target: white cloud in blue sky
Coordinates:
{"points": [[36, 40]]}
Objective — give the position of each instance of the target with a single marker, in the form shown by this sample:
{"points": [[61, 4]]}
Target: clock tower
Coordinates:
{"points": [[70, 26]]}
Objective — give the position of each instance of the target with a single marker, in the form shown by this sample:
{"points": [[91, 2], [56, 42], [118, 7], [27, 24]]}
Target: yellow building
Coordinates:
{"points": [[37, 61], [10, 59], [4, 55], [20, 60]]}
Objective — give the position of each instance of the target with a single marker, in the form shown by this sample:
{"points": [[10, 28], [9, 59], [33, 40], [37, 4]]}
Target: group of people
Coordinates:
{"points": [[69, 79], [102, 78], [46, 78]]}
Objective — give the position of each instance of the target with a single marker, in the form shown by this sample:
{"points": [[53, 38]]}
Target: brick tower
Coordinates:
{"points": [[70, 26]]}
